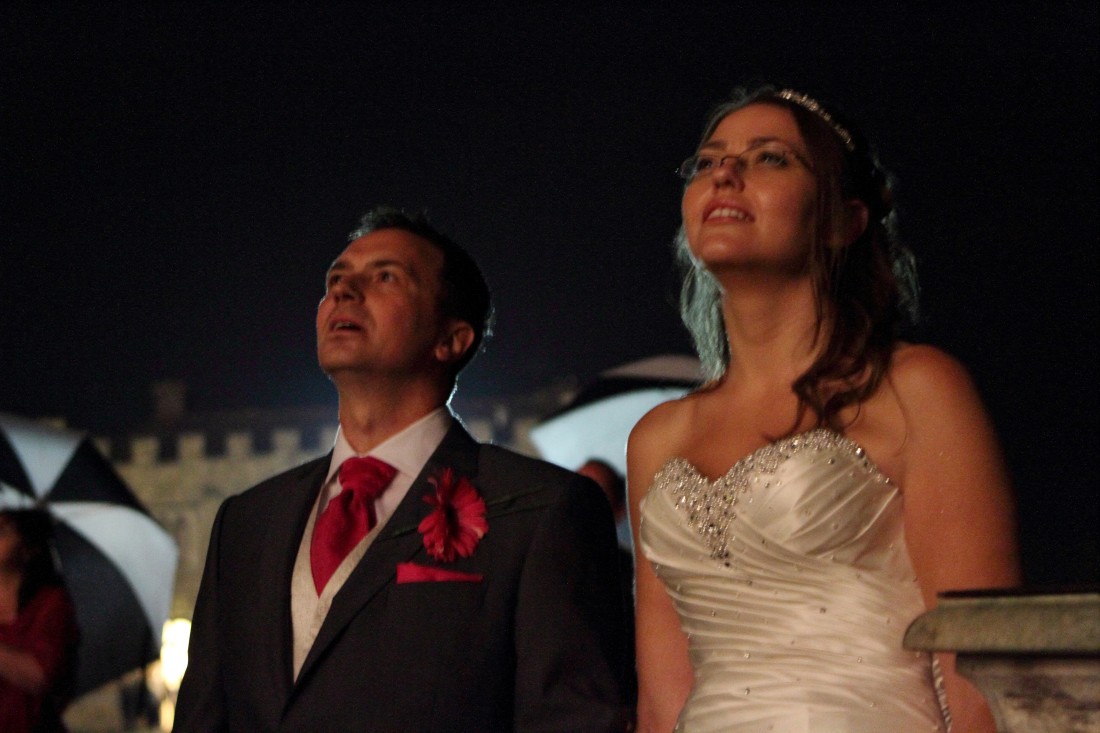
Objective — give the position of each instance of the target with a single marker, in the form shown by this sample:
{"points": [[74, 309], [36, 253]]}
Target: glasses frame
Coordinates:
{"points": [[742, 165]]}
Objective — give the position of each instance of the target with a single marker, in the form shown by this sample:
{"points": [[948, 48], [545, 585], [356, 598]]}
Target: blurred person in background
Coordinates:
{"points": [[38, 631]]}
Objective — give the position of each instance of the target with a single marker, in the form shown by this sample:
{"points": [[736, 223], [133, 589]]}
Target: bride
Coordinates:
{"points": [[799, 510]]}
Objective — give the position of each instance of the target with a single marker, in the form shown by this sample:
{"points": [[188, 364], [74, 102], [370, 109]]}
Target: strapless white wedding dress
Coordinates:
{"points": [[794, 586]]}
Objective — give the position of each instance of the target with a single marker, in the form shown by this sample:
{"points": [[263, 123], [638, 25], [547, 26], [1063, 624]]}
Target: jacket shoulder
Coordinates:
{"points": [[503, 471], [504, 460]]}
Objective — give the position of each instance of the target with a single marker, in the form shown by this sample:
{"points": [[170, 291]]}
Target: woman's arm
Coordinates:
{"points": [[665, 675], [959, 515]]}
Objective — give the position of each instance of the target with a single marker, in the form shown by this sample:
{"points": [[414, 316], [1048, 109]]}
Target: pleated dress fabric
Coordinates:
{"points": [[794, 586]]}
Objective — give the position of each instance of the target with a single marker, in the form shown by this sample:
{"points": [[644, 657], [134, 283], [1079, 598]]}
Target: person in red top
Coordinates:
{"points": [[38, 631]]}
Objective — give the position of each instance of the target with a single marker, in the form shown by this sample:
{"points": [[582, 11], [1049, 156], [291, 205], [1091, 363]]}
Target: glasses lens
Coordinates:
{"points": [[689, 168]]}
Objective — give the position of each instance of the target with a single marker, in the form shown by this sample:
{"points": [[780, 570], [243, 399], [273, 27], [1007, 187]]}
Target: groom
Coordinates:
{"points": [[413, 579]]}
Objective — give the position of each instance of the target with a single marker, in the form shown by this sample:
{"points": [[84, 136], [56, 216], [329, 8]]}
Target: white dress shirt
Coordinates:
{"points": [[407, 451]]}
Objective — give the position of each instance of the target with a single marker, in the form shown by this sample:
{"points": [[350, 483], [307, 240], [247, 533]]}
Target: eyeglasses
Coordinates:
{"points": [[762, 157]]}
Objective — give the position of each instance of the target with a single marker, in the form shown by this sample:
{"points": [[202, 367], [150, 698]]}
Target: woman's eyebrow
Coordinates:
{"points": [[716, 144]]}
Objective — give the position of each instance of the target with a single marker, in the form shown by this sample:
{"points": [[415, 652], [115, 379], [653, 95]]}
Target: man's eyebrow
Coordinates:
{"points": [[338, 264], [390, 263], [342, 265]]}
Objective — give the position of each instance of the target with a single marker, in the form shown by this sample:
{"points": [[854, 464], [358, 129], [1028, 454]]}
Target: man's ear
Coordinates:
{"points": [[456, 340], [851, 224]]}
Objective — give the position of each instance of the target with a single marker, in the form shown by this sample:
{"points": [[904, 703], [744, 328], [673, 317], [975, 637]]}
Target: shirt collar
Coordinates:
{"points": [[407, 450]]}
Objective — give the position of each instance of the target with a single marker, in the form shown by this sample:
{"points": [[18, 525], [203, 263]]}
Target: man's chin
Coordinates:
{"points": [[335, 367]]}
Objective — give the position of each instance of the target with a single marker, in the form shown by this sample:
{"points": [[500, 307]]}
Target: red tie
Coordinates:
{"points": [[348, 516]]}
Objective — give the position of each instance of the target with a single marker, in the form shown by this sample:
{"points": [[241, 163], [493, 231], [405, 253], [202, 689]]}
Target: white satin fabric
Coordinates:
{"points": [[793, 584]]}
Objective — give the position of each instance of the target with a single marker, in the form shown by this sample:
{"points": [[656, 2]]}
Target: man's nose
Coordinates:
{"points": [[347, 287]]}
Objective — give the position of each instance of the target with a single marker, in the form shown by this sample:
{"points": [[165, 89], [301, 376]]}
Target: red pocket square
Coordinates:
{"points": [[410, 572]]}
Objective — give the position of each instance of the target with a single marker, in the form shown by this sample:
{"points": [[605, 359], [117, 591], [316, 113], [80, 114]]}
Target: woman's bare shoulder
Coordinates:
{"points": [[658, 436], [665, 421], [928, 380], [920, 366]]}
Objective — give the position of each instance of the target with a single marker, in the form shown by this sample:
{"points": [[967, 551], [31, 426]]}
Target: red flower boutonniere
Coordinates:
{"points": [[458, 522]]}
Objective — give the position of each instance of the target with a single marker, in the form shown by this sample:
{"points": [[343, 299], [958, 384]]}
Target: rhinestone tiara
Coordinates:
{"points": [[814, 106]]}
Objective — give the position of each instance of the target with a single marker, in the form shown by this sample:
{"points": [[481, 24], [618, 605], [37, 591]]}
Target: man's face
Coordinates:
{"points": [[380, 314]]}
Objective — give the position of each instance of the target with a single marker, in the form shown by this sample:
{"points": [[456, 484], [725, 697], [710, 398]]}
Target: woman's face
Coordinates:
{"points": [[753, 201], [11, 544]]}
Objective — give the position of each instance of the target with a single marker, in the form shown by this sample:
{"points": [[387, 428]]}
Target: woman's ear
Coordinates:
{"points": [[851, 224], [455, 341]]}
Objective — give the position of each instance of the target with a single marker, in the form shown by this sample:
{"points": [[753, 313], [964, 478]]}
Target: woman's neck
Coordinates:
{"points": [[772, 331]]}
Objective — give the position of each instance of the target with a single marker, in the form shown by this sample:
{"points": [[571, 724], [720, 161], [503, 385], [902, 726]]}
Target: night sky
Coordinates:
{"points": [[176, 179]]}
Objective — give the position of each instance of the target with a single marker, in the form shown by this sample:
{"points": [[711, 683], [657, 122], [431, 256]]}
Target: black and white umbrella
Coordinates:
{"points": [[598, 420], [118, 563]]}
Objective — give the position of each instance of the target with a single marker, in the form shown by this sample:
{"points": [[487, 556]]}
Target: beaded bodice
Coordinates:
{"points": [[794, 586]]}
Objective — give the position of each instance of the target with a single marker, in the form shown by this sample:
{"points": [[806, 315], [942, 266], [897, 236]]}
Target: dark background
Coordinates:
{"points": [[177, 177]]}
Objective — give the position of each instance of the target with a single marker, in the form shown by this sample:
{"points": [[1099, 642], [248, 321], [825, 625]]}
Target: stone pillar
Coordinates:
{"points": [[1035, 655]]}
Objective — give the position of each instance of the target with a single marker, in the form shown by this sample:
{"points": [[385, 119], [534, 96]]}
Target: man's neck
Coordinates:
{"points": [[366, 424], [374, 407]]}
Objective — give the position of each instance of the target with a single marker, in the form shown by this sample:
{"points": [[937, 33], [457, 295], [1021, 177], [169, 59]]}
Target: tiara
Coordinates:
{"points": [[814, 106]]}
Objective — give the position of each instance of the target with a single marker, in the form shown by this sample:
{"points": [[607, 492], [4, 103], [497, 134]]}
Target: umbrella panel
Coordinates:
{"points": [[134, 544], [89, 477], [115, 633], [607, 387], [41, 451], [597, 429], [11, 468]]}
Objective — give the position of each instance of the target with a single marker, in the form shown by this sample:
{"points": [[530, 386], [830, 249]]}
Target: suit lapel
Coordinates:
{"points": [[287, 524], [399, 541]]}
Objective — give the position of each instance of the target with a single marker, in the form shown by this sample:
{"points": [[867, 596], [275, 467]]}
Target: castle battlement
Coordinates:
{"points": [[189, 446]]}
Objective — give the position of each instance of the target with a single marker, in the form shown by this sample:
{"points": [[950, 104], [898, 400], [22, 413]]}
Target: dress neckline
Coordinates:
{"points": [[813, 438]]}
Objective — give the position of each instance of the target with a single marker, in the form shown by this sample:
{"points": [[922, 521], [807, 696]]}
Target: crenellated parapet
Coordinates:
{"points": [[180, 467]]}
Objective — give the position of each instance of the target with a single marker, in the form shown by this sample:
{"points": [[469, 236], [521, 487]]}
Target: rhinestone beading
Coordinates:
{"points": [[711, 506]]}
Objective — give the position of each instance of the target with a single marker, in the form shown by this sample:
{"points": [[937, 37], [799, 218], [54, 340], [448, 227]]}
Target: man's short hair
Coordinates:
{"points": [[464, 294]]}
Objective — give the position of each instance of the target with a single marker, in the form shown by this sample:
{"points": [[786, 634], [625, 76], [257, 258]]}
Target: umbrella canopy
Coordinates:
{"points": [[118, 563], [596, 423]]}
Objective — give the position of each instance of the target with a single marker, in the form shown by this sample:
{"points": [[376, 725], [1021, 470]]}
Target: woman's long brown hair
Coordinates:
{"points": [[863, 293]]}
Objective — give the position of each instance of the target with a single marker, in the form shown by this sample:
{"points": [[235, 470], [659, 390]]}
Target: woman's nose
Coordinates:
{"points": [[728, 172]]}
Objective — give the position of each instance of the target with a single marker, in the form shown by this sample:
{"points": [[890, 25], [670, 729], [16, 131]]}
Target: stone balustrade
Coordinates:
{"points": [[1035, 655]]}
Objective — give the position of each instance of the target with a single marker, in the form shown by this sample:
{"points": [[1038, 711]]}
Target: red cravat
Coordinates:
{"points": [[348, 516]]}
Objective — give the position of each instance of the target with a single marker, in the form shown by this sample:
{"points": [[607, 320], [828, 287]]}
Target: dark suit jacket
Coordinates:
{"points": [[538, 645]]}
